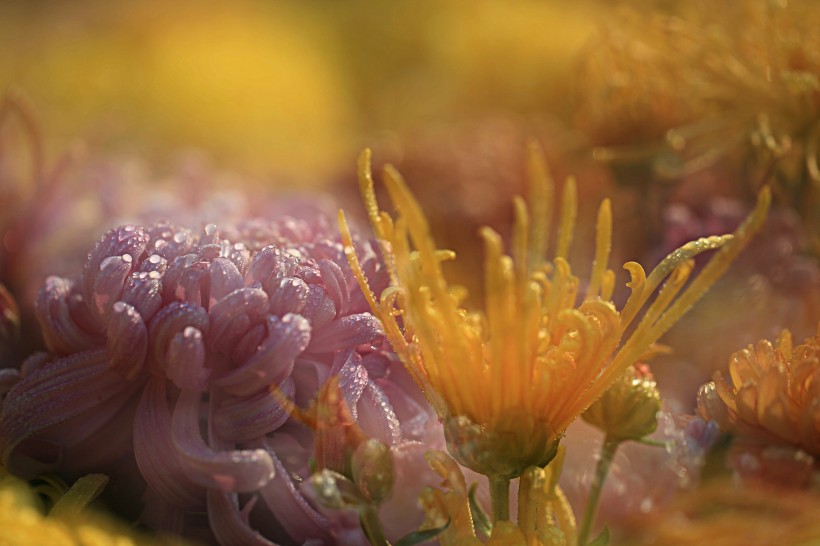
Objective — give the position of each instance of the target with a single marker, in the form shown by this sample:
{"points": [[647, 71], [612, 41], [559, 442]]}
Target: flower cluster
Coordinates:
{"points": [[508, 381], [171, 332]]}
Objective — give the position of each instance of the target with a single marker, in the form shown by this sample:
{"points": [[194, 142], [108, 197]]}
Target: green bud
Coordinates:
{"points": [[628, 410], [372, 467], [336, 492]]}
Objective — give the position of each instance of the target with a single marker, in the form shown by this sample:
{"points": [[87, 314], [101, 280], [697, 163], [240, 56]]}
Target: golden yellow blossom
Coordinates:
{"points": [[774, 394], [508, 380]]}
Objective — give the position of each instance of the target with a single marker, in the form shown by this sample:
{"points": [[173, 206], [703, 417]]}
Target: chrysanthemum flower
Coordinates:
{"points": [[773, 395], [172, 350], [508, 380]]}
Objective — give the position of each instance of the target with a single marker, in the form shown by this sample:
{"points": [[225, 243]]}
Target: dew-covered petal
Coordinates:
{"points": [[290, 508], [287, 338], [185, 360], [270, 264], [169, 241], [232, 470], [121, 241], [171, 320], [376, 417], [54, 393], [290, 296], [143, 290], [230, 524], [53, 307], [250, 302], [335, 284], [156, 455], [154, 263], [224, 279], [171, 278], [237, 253], [243, 418], [319, 308], [345, 333], [127, 341], [108, 285], [192, 284], [347, 366]]}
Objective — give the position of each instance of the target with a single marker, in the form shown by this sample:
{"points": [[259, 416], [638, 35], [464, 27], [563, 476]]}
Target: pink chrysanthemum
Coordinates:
{"points": [[171, 350]]}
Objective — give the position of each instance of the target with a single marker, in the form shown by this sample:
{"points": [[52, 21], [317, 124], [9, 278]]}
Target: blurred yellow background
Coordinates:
{"points": [[281, 87]]}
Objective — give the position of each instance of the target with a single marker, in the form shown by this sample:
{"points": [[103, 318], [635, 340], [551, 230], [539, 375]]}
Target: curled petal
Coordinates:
{"points": [[290, 508], [54, 393], [156, 455], [249, 343], [319, 308], [229, 523], [152, 263], [237, 253], [376, 417], [352, 377], [290, 296], [186, 360], [250, 302], [287, 338], [169, 241], [143, 290], [270, 264], [62, 332], [346, 332], [232, 470], [225, 278], [192, 285], [127, 341], [243, 418], [108, 285], [335, 284], [171, 320], [172, 276], [122, 241]]}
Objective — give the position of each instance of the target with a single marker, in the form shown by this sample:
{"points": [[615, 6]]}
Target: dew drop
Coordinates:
{"points": [[180, 236]]}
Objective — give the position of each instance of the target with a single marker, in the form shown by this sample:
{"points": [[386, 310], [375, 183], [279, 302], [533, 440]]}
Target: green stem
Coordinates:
{"points": [[608, 449], [372, 526], [500, 498]]}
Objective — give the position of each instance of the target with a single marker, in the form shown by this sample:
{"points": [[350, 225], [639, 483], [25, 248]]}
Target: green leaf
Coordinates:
{"points": [[417, 537], [481, 521], [602, 539]]}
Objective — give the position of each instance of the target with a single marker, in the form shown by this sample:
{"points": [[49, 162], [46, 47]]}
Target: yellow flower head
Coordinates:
{"points": [[774, 394], [508, 380]]}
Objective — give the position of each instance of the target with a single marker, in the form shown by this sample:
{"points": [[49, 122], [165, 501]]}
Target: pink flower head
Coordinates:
{"points": [[172, 350]]}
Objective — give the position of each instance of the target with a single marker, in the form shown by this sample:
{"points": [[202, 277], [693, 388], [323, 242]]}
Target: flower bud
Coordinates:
{"points": [[336, 492], [628, 410], [372, 467]]}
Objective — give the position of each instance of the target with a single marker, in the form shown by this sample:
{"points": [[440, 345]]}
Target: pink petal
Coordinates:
{"points": [[232, 470], [239, 419], [108, 284], [250, 302], [156, 455], [287, 338], [346, 332], [319, 308], [376, 416], [127, 341], [299, 519], [289, 296], [168, 322], [224, 279], [229, 524], [335, 284], [186, 360], [124, 240], [143, 290], [61, 332]]}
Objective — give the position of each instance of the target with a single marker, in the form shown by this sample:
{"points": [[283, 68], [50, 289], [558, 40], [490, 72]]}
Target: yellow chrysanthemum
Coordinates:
{"points": [[507, 381], [774, 394]]}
